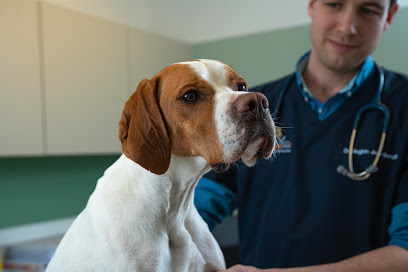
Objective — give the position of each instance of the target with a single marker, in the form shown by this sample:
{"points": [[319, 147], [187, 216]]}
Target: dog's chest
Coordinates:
{"points": [[129, 225], [171, 253]]}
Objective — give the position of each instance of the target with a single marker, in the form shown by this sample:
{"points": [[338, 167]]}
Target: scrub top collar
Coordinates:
{"points": [[324, 110]]}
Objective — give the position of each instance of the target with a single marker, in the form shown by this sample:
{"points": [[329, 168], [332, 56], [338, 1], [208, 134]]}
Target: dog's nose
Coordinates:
{"points": [[255, 103]]}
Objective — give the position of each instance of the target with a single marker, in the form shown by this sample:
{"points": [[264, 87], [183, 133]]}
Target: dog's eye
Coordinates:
{"points": [[242, 88], [191, 97]]}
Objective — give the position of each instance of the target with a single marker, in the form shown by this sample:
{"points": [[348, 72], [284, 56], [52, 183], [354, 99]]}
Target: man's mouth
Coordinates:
{"points": [[342, 47]]}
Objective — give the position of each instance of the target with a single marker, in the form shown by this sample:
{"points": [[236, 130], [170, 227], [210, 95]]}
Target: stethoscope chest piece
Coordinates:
{"points": [[375, 105]]}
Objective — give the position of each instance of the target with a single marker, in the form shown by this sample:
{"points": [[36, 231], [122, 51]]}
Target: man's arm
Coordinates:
{"points": [[384, 259], [213, 201]]}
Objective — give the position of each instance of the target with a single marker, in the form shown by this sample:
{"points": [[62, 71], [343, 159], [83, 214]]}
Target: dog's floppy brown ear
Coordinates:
{"points": [[142, 131]]}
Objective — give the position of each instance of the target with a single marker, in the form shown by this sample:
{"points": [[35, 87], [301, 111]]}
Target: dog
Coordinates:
{"points": [[191, 117]]}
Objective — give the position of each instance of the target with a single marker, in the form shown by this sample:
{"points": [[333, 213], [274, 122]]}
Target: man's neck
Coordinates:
{"points": [[323, 82]]}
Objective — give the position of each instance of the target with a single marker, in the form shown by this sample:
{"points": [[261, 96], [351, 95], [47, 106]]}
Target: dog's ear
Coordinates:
{"points": [[142, 131]]}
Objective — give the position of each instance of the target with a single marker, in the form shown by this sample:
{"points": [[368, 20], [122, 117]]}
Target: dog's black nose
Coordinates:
{"points": [[255, 103]]}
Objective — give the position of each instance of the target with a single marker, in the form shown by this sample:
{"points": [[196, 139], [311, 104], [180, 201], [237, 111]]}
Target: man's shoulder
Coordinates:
{"points": [[395, 91], [395, 76], [395, 82]]}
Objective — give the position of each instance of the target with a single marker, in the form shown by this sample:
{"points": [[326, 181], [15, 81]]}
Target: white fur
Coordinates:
{"points": [[139, 221]]}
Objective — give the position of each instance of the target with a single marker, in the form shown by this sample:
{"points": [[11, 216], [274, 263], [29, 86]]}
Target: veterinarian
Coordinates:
{"points": [[329, 200]]}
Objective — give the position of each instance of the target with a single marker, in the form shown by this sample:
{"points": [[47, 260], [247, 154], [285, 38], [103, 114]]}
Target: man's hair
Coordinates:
{"points": [[392, 2]]}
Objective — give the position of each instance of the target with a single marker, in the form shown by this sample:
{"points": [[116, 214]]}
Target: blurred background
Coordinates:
{"points": [[68, 66]]}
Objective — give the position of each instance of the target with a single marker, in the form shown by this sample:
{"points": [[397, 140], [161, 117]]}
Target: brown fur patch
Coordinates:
{"points": [[191, 126], [142, 131]]}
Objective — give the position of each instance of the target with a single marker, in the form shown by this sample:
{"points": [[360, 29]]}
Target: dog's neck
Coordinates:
{"points": [[184, 174], [175, 188]]}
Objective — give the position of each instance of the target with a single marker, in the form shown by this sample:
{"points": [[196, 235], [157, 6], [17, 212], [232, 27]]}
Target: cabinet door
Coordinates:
{"points": [[149, 53], [85, 81], [20, 95]]}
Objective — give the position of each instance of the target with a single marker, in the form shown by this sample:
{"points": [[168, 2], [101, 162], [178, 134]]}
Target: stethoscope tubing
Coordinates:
{"points": [[376, 104]]}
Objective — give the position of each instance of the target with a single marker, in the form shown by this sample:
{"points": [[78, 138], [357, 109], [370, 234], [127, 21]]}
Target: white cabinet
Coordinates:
{"points": [[21, 124], [85, 81], [149, 53], [65, 77]]}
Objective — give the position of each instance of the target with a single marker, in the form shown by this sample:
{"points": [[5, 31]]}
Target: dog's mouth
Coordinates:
{"points": [[266, 148], [220, 167], [261, 148]]}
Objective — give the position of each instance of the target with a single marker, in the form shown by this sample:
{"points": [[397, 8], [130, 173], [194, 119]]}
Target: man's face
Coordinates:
{"points": [[345, 32]]}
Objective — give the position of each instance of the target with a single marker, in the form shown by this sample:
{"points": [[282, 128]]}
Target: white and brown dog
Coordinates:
{"points": [[190, 117]]}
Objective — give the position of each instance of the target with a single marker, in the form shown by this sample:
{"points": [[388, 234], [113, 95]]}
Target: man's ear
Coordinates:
{"points": [[142, 131], [310, 8], [390, 16]]}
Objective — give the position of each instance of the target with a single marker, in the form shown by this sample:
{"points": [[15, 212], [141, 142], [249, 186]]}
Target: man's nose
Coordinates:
{"points": [[348, 22]]}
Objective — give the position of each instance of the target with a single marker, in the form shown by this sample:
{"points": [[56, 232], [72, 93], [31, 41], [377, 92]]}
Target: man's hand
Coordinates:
{"points": [[241, 268], [387, 258]]}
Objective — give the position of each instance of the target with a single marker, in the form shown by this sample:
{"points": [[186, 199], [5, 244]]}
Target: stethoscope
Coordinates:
{"points": [[376, 104]]}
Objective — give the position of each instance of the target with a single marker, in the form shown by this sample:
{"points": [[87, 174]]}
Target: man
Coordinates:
{"points": [[299, 211]]}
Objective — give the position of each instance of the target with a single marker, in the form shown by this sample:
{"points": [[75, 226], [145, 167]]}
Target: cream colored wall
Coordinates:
{"points": [[197, 22]]}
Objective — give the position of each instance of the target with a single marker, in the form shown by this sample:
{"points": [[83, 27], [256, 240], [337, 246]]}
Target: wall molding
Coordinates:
{"points": [[34, 232]]}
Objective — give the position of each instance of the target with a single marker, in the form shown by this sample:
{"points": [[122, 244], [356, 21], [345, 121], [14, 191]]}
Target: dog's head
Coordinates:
{"points": [[196, 108]]}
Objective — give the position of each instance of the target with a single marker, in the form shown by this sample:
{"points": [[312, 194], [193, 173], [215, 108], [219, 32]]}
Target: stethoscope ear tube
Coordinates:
{"points": [[374, 106], [282, 93]]}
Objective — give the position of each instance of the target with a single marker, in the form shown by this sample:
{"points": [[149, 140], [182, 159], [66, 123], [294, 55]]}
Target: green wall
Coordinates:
{"points": [[45, 188], [267, 56], [392, 51], [259, 57]]}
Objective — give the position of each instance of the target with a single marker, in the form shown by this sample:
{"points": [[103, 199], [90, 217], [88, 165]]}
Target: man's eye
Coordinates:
{"points": [[334, 5], [242, 88], [191, 97], [370, 12]]}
